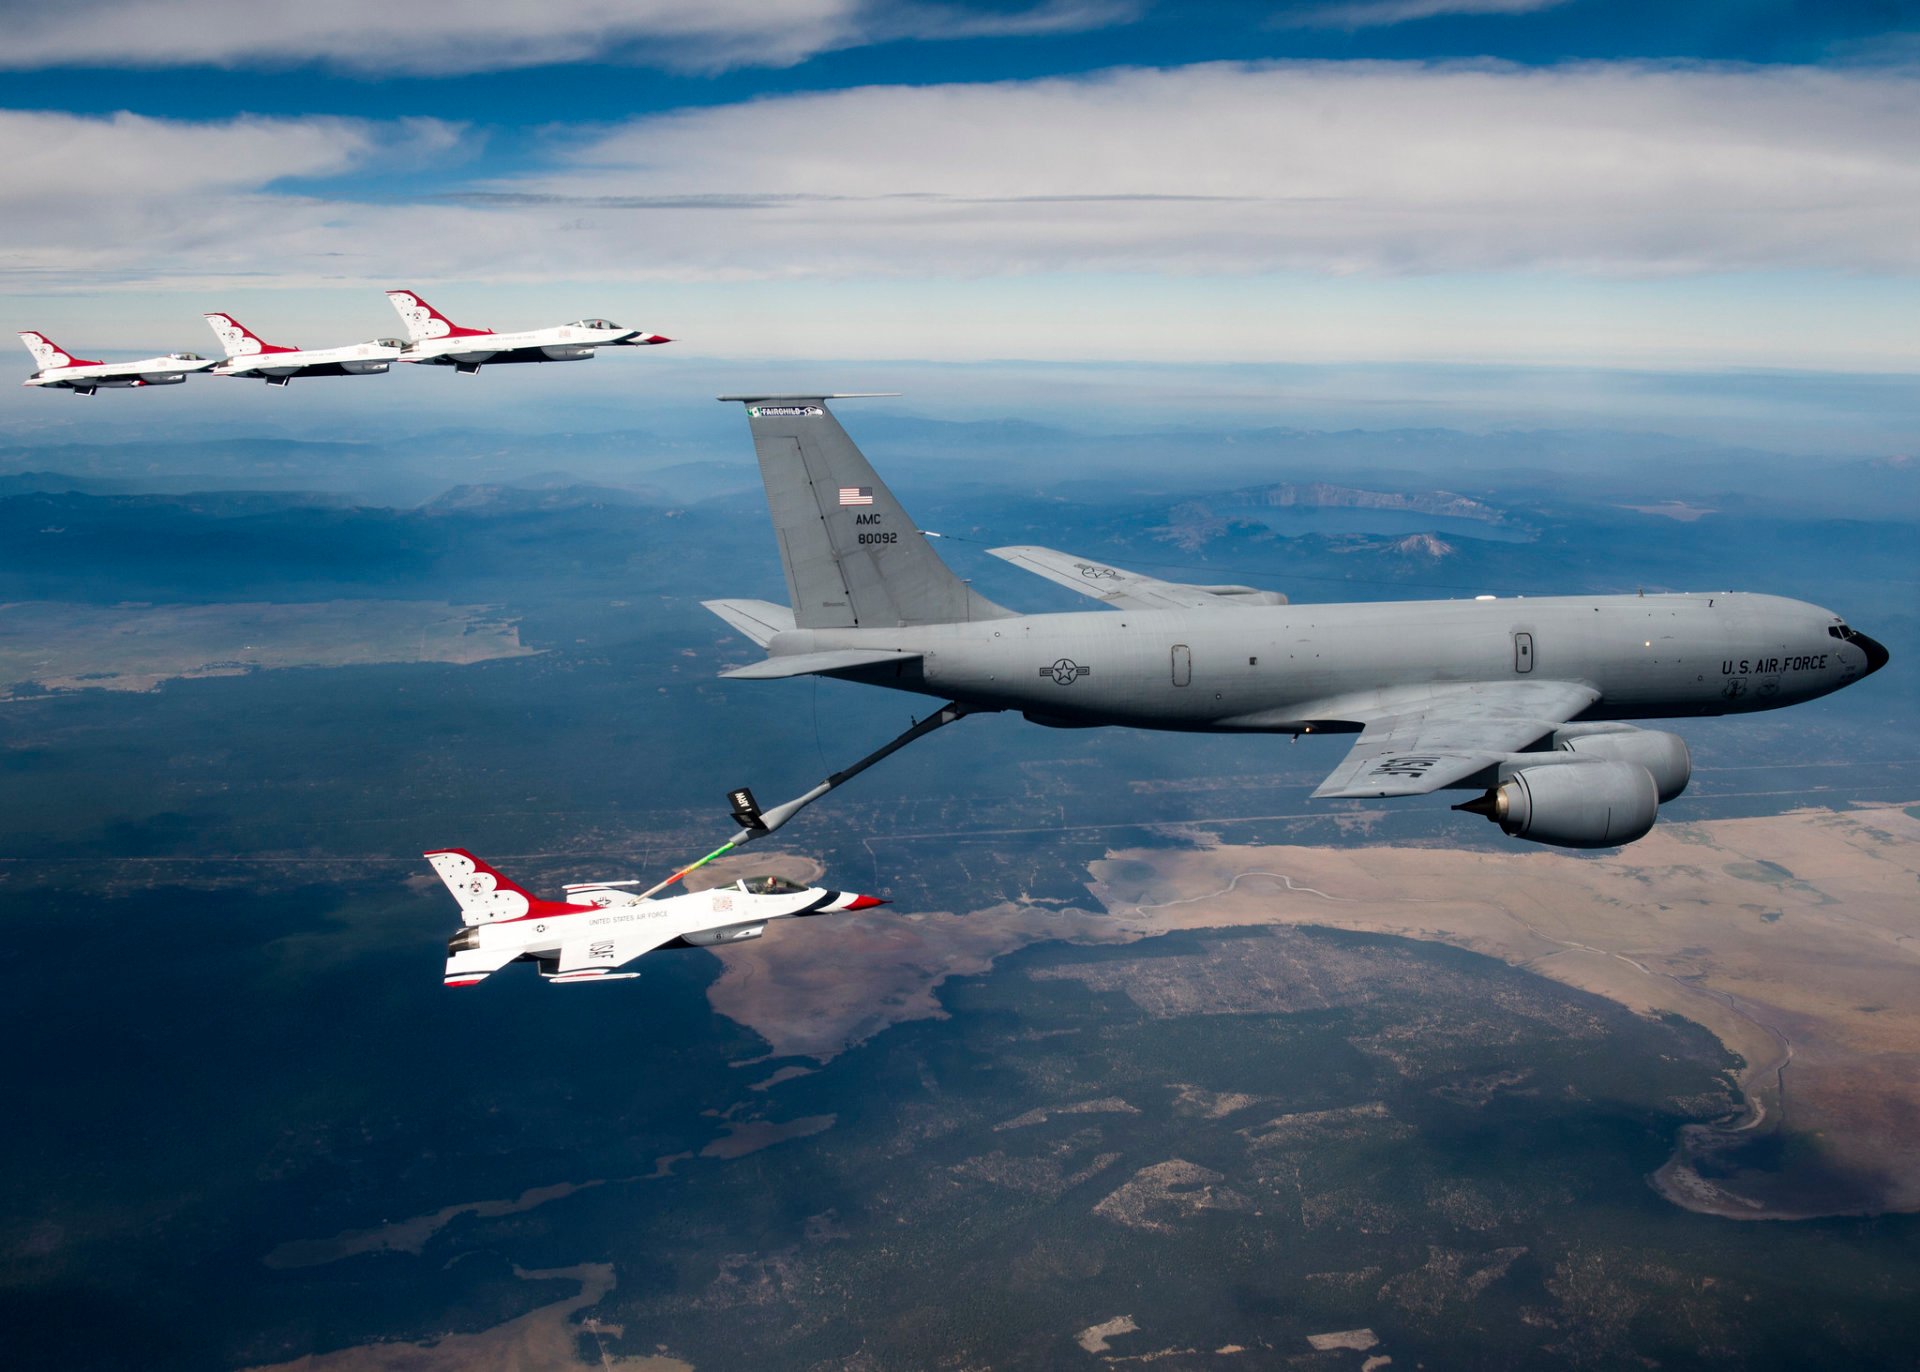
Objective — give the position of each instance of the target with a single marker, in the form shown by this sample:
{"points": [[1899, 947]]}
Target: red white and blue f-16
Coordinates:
{"points": [[61, 370], [600, 926], [249, 355], [438, 340]]}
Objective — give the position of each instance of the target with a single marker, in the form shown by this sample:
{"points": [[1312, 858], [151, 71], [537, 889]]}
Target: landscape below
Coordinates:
{"points": [[1150, 1059]]}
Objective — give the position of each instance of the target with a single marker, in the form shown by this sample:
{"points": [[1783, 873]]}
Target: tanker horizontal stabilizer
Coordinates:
{"points": [[757, 620], [813, 664], [1125, 590]]}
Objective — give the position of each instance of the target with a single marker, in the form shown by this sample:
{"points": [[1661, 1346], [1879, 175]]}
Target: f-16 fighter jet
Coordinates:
{"points": [[61, 369], [250, 356], [601, 926], [439, 340], [1520, 700]]}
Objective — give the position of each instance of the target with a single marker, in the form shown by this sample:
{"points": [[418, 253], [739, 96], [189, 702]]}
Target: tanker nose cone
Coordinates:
{"points": [[1877, 655], [866, 902]]}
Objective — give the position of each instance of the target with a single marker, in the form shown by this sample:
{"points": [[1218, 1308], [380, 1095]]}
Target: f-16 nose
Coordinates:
{"points": [[1877, 654], [866, 902]]}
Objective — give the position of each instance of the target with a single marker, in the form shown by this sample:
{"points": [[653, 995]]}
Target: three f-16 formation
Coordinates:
{"points": [[432, 339]]}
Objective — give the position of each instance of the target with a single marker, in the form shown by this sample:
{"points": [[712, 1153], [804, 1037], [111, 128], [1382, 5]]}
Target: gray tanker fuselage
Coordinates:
{"points": [[1293, 667], [1520, 697]]}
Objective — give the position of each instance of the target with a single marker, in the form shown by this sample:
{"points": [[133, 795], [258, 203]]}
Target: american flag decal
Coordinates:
{"points": [[856, 495]]}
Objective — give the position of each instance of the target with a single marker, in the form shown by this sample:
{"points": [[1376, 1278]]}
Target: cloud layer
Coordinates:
{"points": [[1366, 14], [1375, 168], [377, 36], [1338, 167], [1597, 212], [93, 201]]}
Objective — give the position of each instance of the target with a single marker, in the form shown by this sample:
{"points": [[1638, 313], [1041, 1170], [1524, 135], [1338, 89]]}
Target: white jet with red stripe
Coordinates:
{"points": [[61, 370], [441, 342], [251, 356], [601, 926]]}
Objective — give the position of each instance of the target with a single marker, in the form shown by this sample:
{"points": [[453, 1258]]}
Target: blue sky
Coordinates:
{"points": [[1712, 187]]}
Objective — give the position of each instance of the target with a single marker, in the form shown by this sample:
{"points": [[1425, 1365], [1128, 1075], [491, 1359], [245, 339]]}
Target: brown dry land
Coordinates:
{"points": [[545, 1338], [57, 646], [1794, 938]]}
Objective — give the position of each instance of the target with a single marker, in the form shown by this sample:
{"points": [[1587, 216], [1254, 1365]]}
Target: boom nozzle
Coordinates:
{"points": [[746, 810], [758, 825]]}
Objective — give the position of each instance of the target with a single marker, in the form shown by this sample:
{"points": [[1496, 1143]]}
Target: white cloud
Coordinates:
{"points": [[89, 201], [1029, 215], [379, 36], [1335, 167], [53, 155], [1366, 14]]}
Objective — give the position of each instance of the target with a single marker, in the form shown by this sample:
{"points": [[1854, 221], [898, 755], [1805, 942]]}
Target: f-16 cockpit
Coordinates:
{"points": [[770, 886]]}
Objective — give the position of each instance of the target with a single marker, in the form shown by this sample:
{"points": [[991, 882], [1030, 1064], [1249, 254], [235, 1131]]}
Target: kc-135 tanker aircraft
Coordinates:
{"points": [[1520, 699], [600, 926]]}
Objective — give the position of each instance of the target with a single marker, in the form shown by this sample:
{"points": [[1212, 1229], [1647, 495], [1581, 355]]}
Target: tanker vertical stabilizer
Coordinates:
{"points": [[853, 558]]}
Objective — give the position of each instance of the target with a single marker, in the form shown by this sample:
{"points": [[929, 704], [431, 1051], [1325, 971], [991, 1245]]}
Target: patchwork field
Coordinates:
{"points": [[58, 646], [1794, 938]]}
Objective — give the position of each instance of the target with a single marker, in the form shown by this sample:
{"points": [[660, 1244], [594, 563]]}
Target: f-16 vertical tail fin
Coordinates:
{"points": [[484, 894], [852, 556], [47, 354], [423, 321], [238, 339]]}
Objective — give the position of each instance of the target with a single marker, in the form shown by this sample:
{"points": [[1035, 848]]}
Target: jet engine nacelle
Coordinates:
{"points": [[1574, 805], [733, 933], [1664, 755]]}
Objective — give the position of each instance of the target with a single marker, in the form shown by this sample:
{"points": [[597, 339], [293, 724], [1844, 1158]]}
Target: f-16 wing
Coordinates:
{"points": [[1426, 743], [1129, 590], [593, 957]]}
